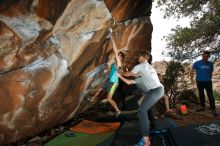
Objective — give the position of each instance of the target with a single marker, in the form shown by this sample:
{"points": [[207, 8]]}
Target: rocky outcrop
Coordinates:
{"points": [[52, 55]]}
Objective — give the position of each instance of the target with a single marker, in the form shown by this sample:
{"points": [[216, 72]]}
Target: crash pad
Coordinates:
{"points": [[129, 133], [92, 127], [82, 139], [207, 134]]}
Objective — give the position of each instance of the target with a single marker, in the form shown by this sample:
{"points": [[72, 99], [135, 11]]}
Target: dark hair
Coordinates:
{"points": [[144, 54], [150, 59], [122, 55], [206, 52]]}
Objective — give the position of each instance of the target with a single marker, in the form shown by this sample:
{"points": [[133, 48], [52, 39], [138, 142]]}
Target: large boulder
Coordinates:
{"points": [[52, 54]]}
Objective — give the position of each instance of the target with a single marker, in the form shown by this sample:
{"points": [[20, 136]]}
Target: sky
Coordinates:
{"points": [[162, 27]]}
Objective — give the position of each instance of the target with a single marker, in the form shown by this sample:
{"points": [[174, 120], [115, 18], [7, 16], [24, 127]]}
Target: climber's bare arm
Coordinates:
{"points": [[127, 81]]}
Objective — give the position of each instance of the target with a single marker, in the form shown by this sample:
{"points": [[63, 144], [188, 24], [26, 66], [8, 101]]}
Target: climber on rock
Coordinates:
{"points": [[111, 84]]}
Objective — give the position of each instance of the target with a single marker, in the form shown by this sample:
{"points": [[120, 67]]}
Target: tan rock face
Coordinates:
{"points": [[52, 56]]}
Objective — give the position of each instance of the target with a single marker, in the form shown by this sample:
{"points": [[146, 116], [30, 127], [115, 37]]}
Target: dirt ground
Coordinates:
{"points": [[193, 117]]}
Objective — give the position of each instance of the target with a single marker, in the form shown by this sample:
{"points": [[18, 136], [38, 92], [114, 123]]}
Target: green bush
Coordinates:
{"points": [[216, 94], [174, 70]]}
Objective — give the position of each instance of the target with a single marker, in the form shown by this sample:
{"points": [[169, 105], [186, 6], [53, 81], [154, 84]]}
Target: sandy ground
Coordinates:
{"points": [[194, 117]]}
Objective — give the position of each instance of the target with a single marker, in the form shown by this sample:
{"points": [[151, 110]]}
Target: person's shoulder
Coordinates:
{"points": [[142, 65], [197, 62], [138, 65], [113, 64], [137, 68], [210, 62]]}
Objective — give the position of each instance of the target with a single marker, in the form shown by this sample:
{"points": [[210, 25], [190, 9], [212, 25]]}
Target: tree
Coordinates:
{"points": [[186, 43], [172, 79]]}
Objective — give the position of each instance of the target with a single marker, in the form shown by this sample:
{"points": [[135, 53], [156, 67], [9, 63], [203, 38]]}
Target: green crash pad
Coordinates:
{"points": [[82, 139]]}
